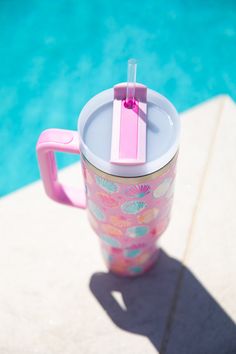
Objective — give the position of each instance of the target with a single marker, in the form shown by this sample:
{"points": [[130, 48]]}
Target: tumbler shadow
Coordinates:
{"points": [[169, 306]]}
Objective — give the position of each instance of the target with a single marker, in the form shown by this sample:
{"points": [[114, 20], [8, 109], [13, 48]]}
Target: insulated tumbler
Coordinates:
{"points": [[127, 138]]}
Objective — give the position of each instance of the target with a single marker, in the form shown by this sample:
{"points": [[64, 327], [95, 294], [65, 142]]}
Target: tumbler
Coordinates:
{"points": [[128, 140]]}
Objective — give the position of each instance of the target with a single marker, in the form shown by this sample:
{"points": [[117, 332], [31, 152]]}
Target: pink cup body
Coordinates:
{"points": [[129, 215]]}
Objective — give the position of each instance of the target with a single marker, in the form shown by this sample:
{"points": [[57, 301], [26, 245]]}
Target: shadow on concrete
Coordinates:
{"points": [[169, 306]]}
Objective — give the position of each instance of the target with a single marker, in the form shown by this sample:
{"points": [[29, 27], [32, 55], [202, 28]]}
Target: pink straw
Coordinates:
{"points": [[131, 83]]}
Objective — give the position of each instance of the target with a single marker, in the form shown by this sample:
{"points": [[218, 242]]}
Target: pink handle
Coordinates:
{"points": [[64, 141]]}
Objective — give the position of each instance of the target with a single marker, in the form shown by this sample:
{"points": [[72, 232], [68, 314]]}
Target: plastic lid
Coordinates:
{"points": [[95, 130]]}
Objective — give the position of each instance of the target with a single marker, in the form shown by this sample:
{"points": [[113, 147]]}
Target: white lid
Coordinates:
{"points": [[95, 131]]}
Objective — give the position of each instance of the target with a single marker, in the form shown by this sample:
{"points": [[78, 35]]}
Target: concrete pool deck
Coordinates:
{"points": [[57, 297]]}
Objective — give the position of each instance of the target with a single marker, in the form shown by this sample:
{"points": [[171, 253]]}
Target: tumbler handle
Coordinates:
{"points": [[61, 140]]}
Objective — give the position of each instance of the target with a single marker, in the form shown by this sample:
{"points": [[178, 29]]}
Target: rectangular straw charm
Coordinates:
{"points": [[128, 144]]}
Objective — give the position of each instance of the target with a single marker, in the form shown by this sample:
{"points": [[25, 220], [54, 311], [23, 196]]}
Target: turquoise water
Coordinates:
{"points": [[55, 55]]}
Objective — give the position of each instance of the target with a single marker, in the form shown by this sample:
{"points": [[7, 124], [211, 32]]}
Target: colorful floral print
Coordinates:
{"points": [[129, 217], [107, 200], [133, 207], [148, 215], [119, 220], [107, 185], [137, 231], [138, 191], [111, 230], [111, 241], [131, 253], [162, 189], [96, 211]]}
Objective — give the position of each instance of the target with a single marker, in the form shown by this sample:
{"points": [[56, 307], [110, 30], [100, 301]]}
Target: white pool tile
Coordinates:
{"points": [[205, 310], [198, 130]]}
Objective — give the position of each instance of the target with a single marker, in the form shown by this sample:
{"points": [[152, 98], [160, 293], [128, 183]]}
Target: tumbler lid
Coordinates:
{"points": [[129, 141], [162, 136]]}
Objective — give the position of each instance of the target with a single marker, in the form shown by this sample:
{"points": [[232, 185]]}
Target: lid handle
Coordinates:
{"points": [[128, 145]]}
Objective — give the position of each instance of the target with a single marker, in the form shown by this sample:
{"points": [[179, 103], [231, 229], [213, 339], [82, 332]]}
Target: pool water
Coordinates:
{"points": [[55, 55]]}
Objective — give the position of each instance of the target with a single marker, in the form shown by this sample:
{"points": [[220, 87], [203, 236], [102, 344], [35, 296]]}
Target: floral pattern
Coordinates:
{"points": [[111, 230], [162, 189], [119, 220], [129, 217], [138, 191], [148, 216], [96, 211], [111, 241], [137, 231], [133, 207], [107, 185], [107, 200], [131, 253]]}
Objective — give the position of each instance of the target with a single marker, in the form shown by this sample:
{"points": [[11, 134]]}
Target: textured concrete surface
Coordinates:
{"points": [[55, 293]]}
